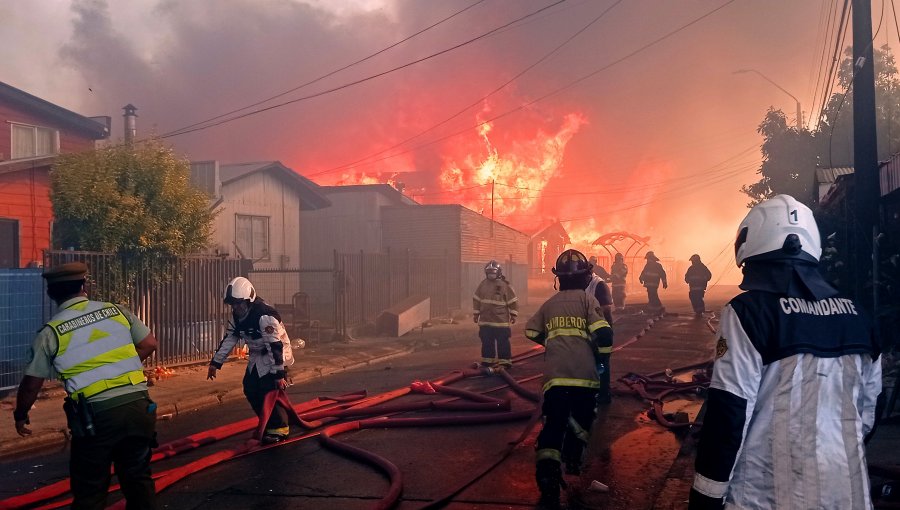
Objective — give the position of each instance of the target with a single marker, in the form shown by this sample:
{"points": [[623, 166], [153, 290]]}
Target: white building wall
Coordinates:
{"points": [[261, 194]]}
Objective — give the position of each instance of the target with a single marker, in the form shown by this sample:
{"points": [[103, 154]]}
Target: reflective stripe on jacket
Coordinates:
{"points": [[697, 276], [791, 399], [96, 351], [652, 274], [495, 302], [618, 272], [270, 351], [567, 321]]}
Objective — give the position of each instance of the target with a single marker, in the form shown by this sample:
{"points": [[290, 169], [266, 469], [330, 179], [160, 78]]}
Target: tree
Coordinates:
{"points": [[791, 155], [131, 200], [789, 161]]}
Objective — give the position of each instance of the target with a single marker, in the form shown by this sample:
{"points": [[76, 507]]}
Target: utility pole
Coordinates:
{"points": [[492, 208], [867, 192]]}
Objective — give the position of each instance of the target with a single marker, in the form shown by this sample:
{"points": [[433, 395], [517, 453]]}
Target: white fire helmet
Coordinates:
{"points": [[239, 289], [778, 228]]}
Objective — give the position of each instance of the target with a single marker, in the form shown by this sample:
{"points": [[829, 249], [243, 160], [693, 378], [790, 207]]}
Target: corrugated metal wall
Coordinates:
{"points": [[473, 274], [482, 239], [464, 235], [23, 309], [180, 300]]}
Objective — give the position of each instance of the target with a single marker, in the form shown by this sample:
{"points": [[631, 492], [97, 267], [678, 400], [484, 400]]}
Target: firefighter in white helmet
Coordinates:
{"points": [[260, 326], [795, 379], [495, 309]]}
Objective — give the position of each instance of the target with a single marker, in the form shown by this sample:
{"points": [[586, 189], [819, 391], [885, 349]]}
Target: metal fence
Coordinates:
{"points": [[23, 309], [373, 282], [358, 286], [179, 299]]}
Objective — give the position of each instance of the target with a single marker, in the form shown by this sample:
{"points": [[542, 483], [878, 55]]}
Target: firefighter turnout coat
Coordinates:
{"points": [[791, 398], [652, 274], [495, 303], [264, 335], [565, 324]]}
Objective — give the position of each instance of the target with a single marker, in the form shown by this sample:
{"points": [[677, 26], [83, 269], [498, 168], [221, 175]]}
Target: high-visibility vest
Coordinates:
{"points": [[96, 351]]}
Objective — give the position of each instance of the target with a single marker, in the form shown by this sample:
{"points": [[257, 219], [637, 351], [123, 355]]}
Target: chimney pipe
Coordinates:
{"points": [[130, 123]]}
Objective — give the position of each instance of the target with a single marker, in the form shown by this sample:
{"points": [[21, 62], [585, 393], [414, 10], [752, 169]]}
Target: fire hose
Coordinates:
{"points": [[316, 413]]}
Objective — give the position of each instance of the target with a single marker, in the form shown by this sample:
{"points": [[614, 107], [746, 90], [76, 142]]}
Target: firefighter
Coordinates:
{"points": [[597, 269], [495, 309], [571, 327], [599, 290], [795, 380], [617, 280], [651, 277], [697, 276], [260, 326], [96, 349]]}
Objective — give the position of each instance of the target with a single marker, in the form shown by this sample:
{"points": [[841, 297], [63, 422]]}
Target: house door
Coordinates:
{"points": [[9, 243]]}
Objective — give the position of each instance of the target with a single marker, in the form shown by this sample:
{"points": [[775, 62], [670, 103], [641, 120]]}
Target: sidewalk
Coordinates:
{"points": [[187, 389]]}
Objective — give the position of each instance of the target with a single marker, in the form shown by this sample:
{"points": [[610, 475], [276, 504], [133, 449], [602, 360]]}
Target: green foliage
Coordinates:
{"points": [[131, 200], [790, 156], [789, 161]]}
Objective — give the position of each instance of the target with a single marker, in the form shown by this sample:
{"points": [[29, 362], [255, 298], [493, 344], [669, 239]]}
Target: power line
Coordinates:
{"points": [[683, 189], [838, 46], [365, 79], [832, 18], [476, 102], [850, 88], [541, 98], [331, 73]]}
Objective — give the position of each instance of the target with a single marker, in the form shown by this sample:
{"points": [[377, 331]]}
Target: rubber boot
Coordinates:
{"points": [[549, 478], [572, 451]]}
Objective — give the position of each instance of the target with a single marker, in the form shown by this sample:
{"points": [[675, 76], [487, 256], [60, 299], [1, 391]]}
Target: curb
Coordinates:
{"points": [[165, 412]]}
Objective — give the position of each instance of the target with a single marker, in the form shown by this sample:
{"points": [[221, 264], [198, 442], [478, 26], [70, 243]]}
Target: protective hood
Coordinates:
{"points": [[788, 277]]}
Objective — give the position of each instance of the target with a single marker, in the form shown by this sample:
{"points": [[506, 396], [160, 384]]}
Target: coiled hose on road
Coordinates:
{"points": [[321, 411]]}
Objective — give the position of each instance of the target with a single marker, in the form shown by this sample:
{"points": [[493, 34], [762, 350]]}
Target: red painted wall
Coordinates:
{"points": [[25, 196], [68, 141]]}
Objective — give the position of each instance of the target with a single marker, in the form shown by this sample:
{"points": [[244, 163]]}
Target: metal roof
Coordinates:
{"points": [[826, 175], [385, 189], [310, 193], [92, 128]]}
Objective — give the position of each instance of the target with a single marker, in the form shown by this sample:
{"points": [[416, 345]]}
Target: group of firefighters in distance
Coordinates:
{"points": [[578, 318], [791, 401]]}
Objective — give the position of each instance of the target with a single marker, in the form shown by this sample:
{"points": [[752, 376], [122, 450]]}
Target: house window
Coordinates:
{"points": [[251, 235], [31, 141]]}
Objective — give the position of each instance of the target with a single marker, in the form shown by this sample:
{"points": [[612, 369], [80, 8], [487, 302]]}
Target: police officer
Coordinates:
{"points": [[795, 380], [260, 326], [651, 277], [96, 350], [495, 309], [619, 271], [574, 334], [697, 276]]}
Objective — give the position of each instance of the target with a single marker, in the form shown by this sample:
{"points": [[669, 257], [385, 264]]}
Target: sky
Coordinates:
{"points": [[559, 110]]}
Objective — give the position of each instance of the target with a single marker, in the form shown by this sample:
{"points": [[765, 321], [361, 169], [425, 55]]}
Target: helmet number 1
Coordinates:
{"points": [[793, 216]]}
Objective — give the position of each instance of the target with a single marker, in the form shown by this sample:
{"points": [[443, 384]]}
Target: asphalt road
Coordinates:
{"points": [[631, 454]]}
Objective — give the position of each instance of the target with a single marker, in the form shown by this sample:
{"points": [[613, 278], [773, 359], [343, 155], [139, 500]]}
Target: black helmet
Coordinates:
{"points": [[695, 258], [571, 263], [493, 268], [619, 256]]}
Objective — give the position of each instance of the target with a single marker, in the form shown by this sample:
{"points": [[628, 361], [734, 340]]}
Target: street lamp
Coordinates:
{"points": [[799, 111]]}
